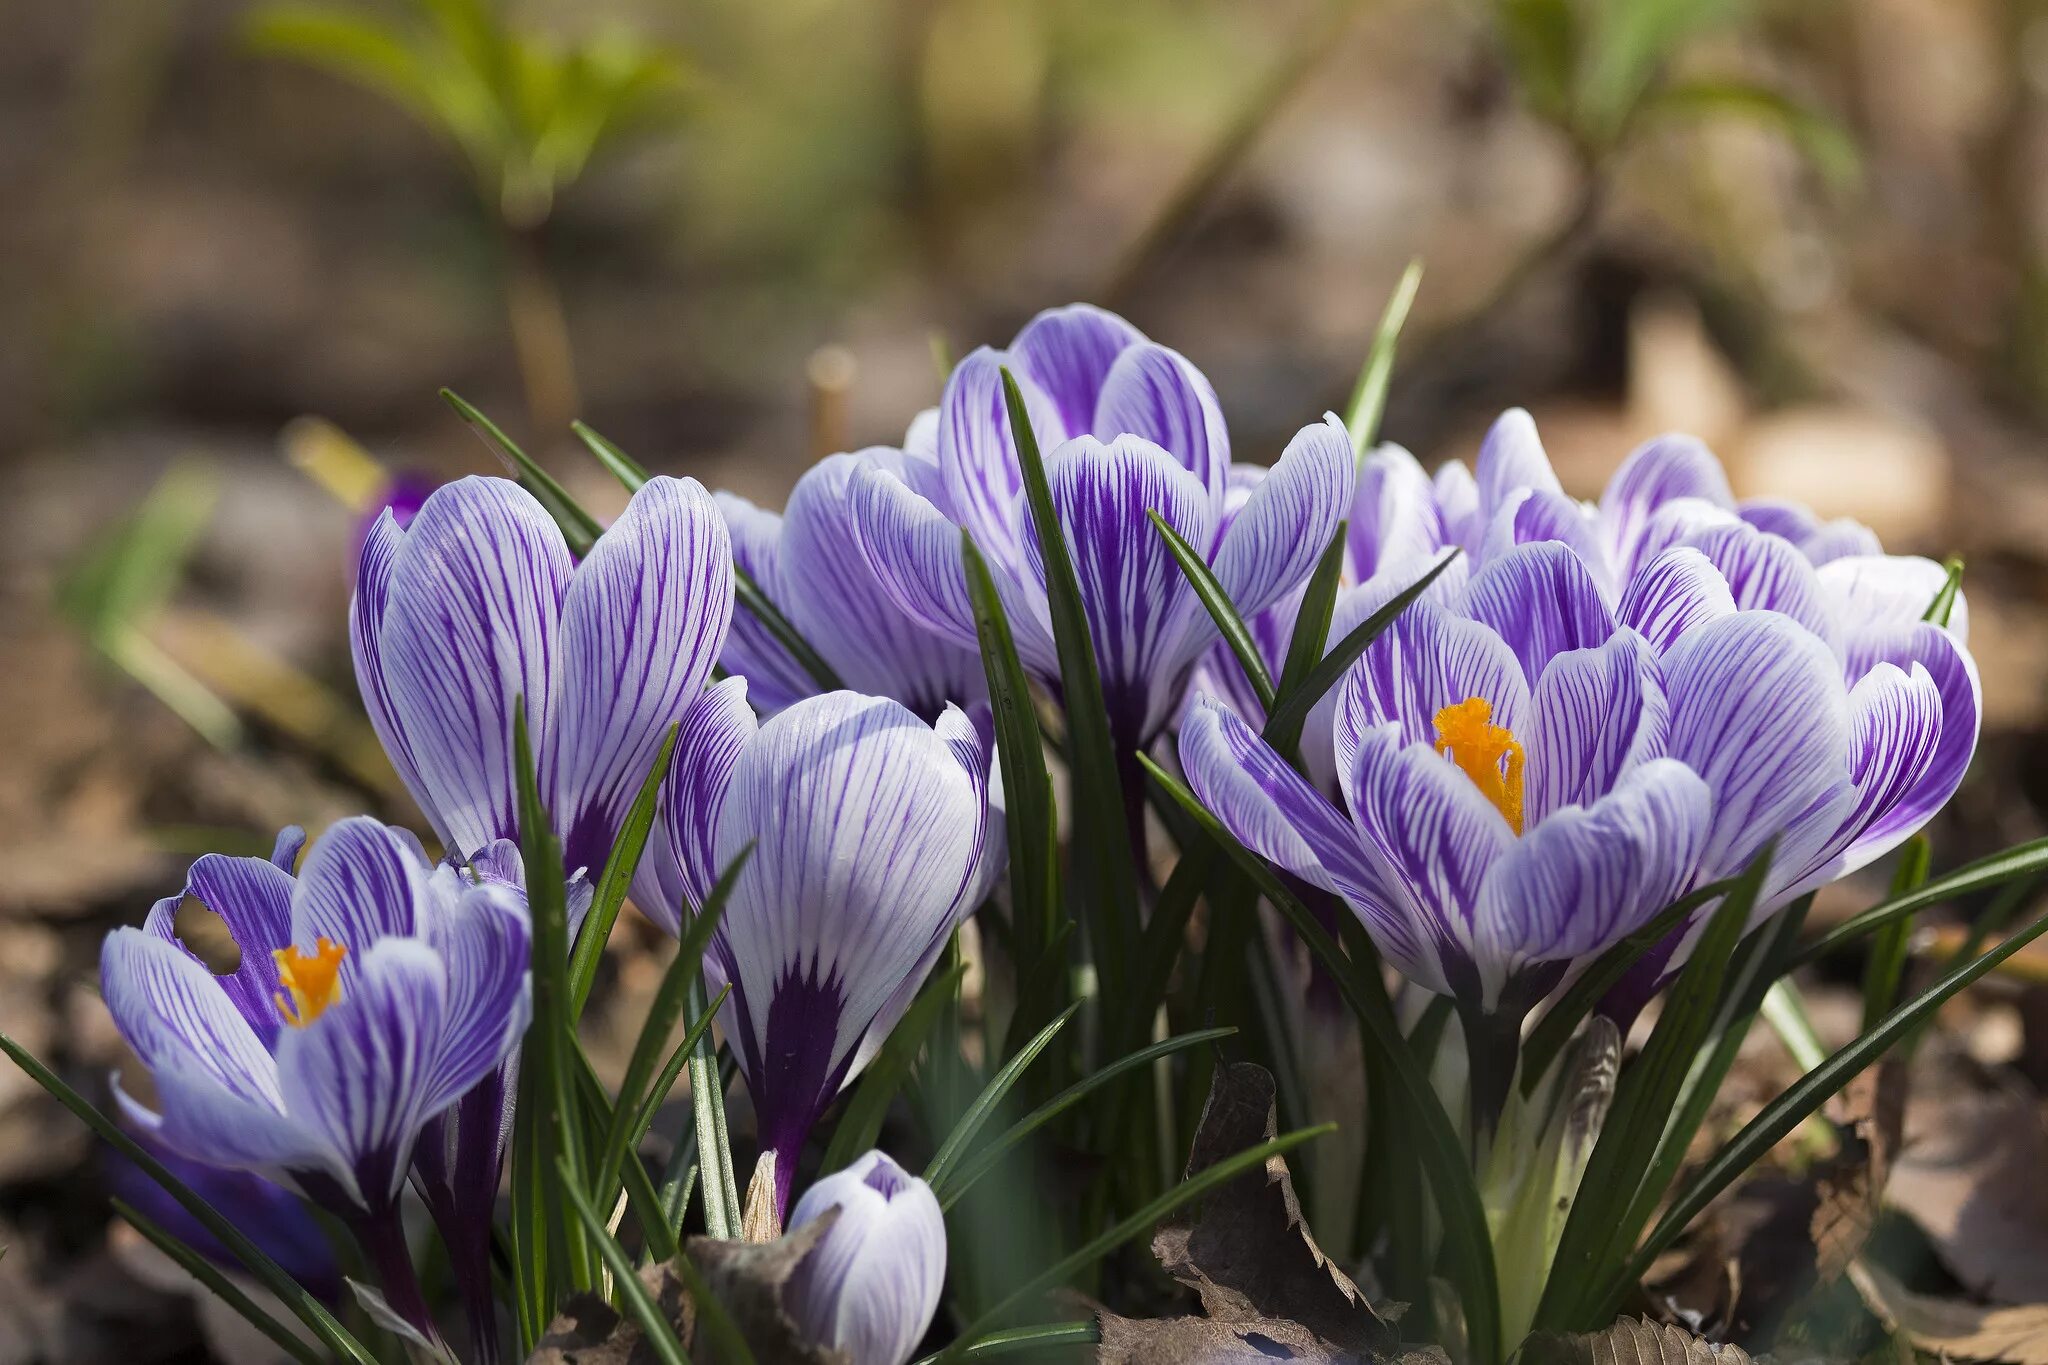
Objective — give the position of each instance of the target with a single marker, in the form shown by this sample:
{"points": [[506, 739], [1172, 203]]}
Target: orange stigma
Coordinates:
{"points": [[1466, 734], [313, 981]]}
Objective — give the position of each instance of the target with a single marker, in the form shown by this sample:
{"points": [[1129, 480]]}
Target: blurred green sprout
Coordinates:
{"points": [[526, 110], [1598, 69]]}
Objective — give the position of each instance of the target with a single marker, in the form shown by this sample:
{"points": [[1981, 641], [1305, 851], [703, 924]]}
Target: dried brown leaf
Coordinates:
{"points": [[1951, 1327], [747, 1280], [590, 1331], [1870, 1114], [1630, 1341]]}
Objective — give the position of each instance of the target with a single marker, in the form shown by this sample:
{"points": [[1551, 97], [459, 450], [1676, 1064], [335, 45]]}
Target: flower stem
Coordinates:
{"points": [[382, 1237]]}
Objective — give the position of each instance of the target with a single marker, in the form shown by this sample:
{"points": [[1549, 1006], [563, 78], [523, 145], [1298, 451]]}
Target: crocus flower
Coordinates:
{"points": [[477, 607], [373, 991], [1127, 427], [808, 562], [872, 836], [871, 1285]]}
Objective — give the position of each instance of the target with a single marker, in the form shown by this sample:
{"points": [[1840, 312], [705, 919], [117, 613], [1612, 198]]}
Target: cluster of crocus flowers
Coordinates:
{"points": [[1618, 703], [373, 991]]}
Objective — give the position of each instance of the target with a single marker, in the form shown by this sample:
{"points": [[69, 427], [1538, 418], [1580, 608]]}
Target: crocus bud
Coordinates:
{"points": [[871, 1285]]}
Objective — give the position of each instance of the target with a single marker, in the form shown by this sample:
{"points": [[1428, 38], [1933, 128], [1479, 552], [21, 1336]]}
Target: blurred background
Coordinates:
{"points": [[242, 247]]}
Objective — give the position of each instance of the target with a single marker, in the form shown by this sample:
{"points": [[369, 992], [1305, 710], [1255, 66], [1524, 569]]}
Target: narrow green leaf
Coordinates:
{"points": [[1369, 397], [1283, 726], [1102, 797], [619, 867], [1468, 1245], [579, 528], [1032, 823], [1137, 1225], [992, 1094], [2018, 861], [1562, 1019], [1944, 603], [533, 1298], [860, 1123], [617, 462], [1893, 943], [268, 1272], [672, 1069], [1165, 934], [1597, 1235], [657, 1231], [1312, 621], [684, 971], [1803, 1098], [551, 1035], [985, 1158], [218, 1284], [655, 1329], [1020, 1339], [749, 595], [1220, 608]]}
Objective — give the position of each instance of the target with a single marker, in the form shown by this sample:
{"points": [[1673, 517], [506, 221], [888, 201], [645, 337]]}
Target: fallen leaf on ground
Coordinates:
{"points": [[1952, 1327], [1630, 1341]]}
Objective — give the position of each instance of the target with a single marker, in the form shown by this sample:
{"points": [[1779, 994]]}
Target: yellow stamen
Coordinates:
{"points": [[313, 980], [1466, 734]]}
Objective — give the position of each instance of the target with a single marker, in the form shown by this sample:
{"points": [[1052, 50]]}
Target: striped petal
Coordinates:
{"points": [[1139, 605], [1758, 709], [977, 459], [1765, 573], [1655, 473], [1598, 713], [838, 603], [367, 608], [253, 897], [1394, 515], [362, 882], [1676, 592], [642, 625], [1586, 876], [1068, 352], [484, 937], [871, 1286], [364, 1071], [1536, 516], [1512, 460], [1275, 540], [1543, 601], [1155, 393], [470, 627], [174, 1014], [682, 864], [1913, 651], [1425, 660], [1886, 593], [751, 652]]}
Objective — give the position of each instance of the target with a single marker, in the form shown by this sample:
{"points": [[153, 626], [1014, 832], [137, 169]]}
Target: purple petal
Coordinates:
{"points": [[1655, 473], [866, 829], [1140, 607], [977, 458], [1597, 714], [1758, 709], [913, 550], [1765, 573], [363, 1072], [1840, 539], [483, 935], [1394, 516], [1536, 517], [642, 624], [1068, 352], [1275, 540], [1433, 838], [840, 605], [1678, 591], [1155, 393], [253, 896], [1425, 660], [1457, 501], [362, 882], [475, 605], [1543, 601], [871, 1285], [208, 1123], [751, 651], [173, 1012], [1676, 523], [681, 864], [367, 608], [1794, 521], [1919, 648], [1511, 460], [1585, 877]]}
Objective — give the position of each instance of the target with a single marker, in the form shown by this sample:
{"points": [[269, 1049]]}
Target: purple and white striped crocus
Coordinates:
{"points": [[808, 562], [1127, 427], [477, 606], [373, 991], [873, 836], [871, 1285]]}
